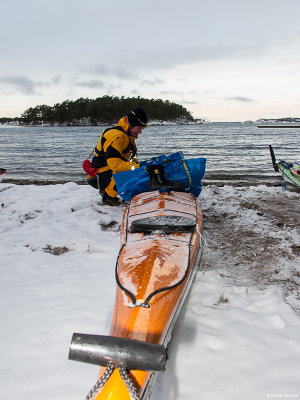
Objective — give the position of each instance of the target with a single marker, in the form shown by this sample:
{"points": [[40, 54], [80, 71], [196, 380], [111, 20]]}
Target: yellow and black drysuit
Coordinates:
{"points": [[112, 154]]}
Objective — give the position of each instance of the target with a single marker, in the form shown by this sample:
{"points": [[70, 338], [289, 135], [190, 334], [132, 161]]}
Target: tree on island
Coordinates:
{"points": [[8, 120], [103, 110]]}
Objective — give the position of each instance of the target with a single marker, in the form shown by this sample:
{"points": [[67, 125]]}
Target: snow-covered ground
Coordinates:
{"points": [[238, 336]]}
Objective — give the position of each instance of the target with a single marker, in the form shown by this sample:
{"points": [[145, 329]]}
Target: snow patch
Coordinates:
{"points": [[237, 336]]}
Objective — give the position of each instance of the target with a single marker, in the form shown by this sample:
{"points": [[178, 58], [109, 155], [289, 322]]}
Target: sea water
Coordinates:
{"points": [[234, 151]]}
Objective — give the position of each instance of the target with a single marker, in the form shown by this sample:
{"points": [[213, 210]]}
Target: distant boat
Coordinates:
{"points": [[291, 171], [2, 173]]}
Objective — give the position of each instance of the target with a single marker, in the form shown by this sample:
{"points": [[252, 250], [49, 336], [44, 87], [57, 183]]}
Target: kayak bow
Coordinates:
{"points": [[291, 171], [2, 173], [158, 259]]}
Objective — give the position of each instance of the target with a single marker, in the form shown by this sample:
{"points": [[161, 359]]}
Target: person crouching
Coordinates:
{"points": [[115, 152]]}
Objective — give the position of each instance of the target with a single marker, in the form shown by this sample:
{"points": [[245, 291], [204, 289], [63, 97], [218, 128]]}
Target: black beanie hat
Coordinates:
{"points": [[137, 117]]}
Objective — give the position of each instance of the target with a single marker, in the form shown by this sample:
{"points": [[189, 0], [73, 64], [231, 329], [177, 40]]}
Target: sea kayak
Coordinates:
{"points": [[159, 256], [289, 171], [2, 173]]}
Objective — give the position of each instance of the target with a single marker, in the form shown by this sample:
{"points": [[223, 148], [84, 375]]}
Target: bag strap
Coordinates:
{"points": [[91, 153], [158, 179]]}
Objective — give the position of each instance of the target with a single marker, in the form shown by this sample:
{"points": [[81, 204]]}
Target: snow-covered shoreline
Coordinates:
{"points": [[237, 337]]}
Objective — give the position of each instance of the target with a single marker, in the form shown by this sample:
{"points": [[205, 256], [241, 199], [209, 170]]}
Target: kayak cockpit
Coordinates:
{"points": [[164, 223]]}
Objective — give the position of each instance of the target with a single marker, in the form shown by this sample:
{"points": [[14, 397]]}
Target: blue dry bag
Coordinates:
{"points": [[175, 171]]}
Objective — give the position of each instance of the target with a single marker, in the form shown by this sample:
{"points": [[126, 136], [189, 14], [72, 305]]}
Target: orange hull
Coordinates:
{"points": [[154, 272]]}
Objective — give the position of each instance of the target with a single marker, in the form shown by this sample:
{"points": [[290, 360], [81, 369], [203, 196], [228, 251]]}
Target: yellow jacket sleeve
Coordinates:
{"points": [[114, 158]]}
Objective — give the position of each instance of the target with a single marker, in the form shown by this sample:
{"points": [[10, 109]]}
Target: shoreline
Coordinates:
{"points": [[215, 181], [68, 125], [278, 126]]}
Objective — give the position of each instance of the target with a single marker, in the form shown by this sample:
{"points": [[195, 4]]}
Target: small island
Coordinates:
{"points": [[105, 110], [279, 123]]}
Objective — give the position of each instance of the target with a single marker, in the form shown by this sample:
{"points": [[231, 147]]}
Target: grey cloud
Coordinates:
{"points": [[94, 68], [186, 54], [93, 84], [188, 102], [241, 99], [56, 79], [135, 92], [152, 82], [170, 92], [123, 73], [102, 69], [23, 84], [169, 57], [112, 86]]}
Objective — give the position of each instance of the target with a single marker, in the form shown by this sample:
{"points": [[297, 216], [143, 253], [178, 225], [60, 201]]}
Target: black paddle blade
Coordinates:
{"points": [[275, 166]]}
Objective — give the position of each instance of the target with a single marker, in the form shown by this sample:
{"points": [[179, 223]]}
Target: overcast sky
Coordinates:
{"points": [[224, 60]]}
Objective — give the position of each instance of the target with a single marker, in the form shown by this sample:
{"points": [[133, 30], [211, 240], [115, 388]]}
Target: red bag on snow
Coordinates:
{"points": [[88, 169]]}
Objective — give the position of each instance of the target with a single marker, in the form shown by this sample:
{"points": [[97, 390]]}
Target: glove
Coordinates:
{"points": [[88, 169], [135, 165]]}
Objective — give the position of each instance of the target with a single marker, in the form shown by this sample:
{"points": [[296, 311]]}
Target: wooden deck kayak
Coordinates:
{"points": [[158, 259]]}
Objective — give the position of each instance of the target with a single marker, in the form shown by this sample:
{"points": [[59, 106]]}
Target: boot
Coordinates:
{"points": [[110, 201]]}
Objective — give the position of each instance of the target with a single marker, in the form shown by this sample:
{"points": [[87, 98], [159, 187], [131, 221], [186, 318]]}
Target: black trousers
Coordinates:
{"points": [[105, 183]]}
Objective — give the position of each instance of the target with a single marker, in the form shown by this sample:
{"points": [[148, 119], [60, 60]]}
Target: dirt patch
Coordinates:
{"points": [[112, 225], [256, 242], [56, 251]]}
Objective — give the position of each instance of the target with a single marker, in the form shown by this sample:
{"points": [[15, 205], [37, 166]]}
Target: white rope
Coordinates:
{"points": [[101, 382], [107, 374], [128, 382]]}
